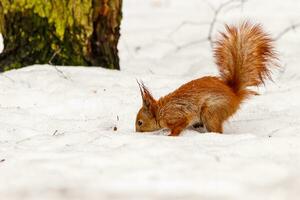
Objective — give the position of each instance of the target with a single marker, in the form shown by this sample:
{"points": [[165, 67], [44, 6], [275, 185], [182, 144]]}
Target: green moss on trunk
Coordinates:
{"points": [[60, 32]]}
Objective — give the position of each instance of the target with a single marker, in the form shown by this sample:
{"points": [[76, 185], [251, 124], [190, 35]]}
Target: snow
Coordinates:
{"points": [[57, 137]]}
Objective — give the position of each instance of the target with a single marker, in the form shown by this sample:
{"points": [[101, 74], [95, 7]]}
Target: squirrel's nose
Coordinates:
{"points": [[137, 129]]}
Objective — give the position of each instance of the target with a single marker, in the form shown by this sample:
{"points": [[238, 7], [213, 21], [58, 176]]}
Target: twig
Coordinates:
{"points": [[215, 18], [273, 132], [115, 128], [54, 55], [55, 132], [191, 44], [55, 67], [293, 27], [213, 22], [62, 74], [185, 23]]}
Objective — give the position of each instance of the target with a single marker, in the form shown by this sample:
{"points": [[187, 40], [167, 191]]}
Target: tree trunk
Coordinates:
{"points": [[60, 32]]}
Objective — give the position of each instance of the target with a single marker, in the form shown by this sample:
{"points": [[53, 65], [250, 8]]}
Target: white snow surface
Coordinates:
{"points": [[57, 137]]}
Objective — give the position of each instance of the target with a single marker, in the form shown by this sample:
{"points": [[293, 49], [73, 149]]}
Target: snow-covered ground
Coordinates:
{"points": [[68, 133]]}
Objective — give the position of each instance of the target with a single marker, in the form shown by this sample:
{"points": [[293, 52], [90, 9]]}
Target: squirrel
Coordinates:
{"points": [[244, 55]]}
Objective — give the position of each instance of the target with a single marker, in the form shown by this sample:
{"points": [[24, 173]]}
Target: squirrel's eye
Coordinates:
{"points": [[140, 122]]}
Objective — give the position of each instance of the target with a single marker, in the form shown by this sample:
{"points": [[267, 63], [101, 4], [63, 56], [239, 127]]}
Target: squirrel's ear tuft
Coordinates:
{"points": [[146, 95], [148, 100], [141, 89]]}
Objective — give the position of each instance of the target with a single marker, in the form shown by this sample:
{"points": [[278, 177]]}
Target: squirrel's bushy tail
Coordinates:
{"points": [[244, 55]]}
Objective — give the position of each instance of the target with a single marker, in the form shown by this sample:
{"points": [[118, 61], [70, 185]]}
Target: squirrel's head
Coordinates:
{"points": [[146, 117]]}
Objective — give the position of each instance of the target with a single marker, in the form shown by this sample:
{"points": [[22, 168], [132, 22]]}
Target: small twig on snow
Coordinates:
{"points": [[61, 73], [115, 128], [56, 133], [54, 55], [273, 132]]}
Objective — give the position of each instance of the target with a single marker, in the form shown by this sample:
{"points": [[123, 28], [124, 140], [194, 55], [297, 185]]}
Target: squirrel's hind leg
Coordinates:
{"points": [[212, 120]]}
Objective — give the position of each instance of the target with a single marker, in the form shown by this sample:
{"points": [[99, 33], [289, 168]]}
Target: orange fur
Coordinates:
{"points": [[243, 55]]}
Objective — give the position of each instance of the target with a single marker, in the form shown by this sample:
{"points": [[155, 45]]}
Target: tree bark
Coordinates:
{"points": [[60, 32]]}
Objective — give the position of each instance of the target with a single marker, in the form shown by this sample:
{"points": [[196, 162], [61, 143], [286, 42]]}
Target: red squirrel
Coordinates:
{"points": [[244, 55]]}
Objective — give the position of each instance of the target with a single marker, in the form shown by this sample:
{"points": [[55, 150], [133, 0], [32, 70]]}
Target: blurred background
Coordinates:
{"points": [[171, 36]]}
